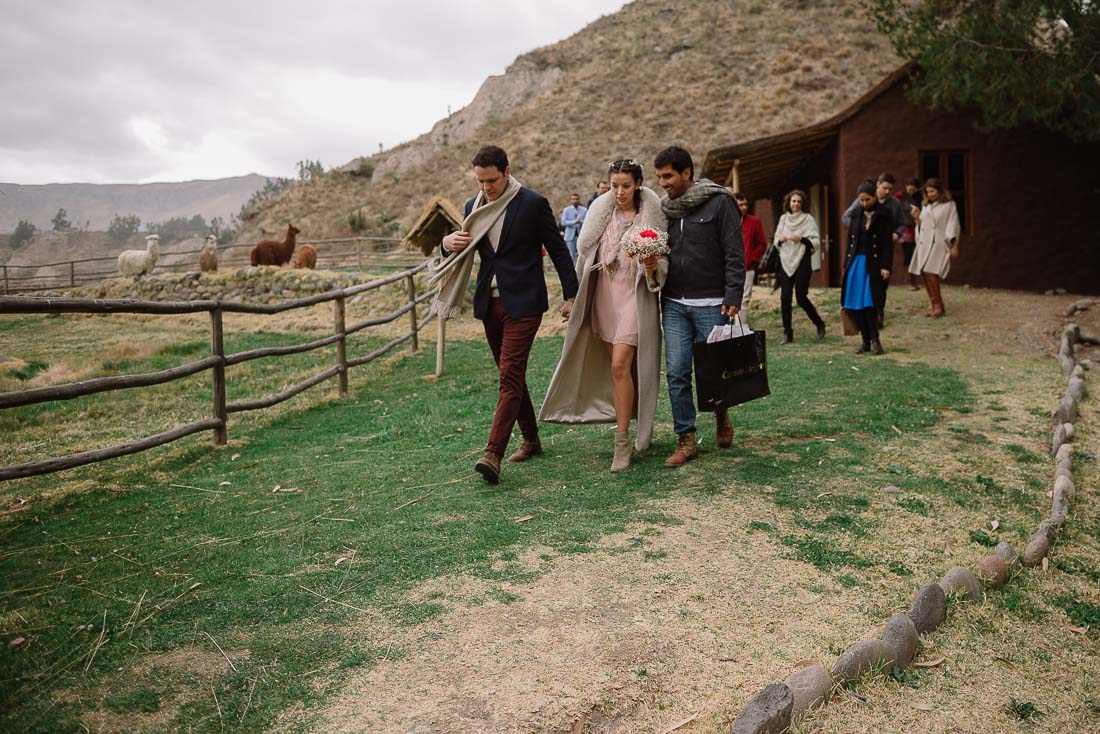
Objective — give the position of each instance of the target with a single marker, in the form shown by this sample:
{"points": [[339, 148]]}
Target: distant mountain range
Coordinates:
{"points": [[98, 203]]}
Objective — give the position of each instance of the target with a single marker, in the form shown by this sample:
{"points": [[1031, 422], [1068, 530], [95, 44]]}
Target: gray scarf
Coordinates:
{"points": [[691, 199]]}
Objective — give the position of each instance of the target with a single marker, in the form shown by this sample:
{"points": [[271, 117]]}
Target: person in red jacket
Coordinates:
{"points": [[752, 230]]}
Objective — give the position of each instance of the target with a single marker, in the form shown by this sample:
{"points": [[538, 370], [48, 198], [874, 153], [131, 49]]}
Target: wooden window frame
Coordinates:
{"points": [[968, 189]]}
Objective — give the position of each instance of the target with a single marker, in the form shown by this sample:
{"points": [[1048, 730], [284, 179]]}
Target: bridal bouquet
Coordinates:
{"points": [[644, 243]]}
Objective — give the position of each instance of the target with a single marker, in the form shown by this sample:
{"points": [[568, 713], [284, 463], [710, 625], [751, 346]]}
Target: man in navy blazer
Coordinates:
{"points": [[511, 297]]}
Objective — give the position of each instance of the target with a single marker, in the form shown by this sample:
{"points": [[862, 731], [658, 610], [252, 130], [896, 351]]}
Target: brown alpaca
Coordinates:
{"points": [[208, 256], [273, 252], [307, 257]]}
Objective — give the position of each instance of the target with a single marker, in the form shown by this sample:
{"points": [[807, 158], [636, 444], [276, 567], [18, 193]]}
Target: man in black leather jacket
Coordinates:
{"points": [[706, 280]]}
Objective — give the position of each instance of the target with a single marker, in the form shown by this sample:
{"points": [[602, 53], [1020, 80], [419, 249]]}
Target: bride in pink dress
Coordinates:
{"points": [[610, 365]]}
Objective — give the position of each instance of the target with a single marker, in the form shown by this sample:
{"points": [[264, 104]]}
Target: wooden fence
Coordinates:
{"points": [[332, 254], [216, 363]]}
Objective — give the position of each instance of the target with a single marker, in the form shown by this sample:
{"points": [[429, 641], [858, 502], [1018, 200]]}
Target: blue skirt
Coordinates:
{"points": [[857, 286]]}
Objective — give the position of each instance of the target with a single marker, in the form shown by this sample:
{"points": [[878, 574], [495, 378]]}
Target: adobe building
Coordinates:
{"points": [[1026, 198]]}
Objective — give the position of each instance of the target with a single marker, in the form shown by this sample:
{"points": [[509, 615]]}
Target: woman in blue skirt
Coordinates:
{"points": [[867, 265]]}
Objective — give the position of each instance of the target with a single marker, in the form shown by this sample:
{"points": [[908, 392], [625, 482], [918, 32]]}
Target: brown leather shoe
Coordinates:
{"points": [[526, 450], [723, 429], [488, 466], [685, 451]]}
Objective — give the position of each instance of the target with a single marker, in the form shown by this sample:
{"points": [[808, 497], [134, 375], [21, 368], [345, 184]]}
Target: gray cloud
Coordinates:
{"points": [[124, 90]]}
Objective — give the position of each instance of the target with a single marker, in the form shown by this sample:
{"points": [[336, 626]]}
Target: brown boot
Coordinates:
{"points": [[526, 450], [913, 282], [488, 466], [934, 295], [723, 429], [685, 451], [621, 461]]}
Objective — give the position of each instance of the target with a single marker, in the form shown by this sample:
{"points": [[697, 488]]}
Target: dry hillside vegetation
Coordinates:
{"points": [[697, 73]]}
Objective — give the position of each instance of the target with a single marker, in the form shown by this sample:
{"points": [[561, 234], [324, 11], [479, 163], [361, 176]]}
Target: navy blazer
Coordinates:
{"points": [[529, 225]]}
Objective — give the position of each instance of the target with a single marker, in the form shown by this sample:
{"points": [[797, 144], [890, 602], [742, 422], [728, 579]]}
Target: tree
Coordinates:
{"points": [[178, 228], [272, 187], [1018, 62], [123, 228], [308, 170], [24, 233], [61, 221]]}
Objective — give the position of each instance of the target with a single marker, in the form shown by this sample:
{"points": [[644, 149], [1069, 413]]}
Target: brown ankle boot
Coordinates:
{"points": [[685, 451], [488, 466], [526, 450], [621, 461], [723, 429], [935, 296]]}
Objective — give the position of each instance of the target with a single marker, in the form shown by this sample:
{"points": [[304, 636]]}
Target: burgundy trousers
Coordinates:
{"points": [[511, 340]]}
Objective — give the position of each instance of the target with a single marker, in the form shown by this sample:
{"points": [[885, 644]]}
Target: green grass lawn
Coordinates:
{"points": [[197, 546]]}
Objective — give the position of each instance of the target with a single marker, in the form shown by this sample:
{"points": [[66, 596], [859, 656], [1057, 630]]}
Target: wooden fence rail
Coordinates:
{"points": [[217, 362], [82, 271]]}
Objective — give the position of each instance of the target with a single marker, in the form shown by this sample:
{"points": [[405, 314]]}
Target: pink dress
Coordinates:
{"points": [[614, 310]]}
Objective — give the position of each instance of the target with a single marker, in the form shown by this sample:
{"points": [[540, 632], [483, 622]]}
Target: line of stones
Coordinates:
{"points": [[778, 705]]}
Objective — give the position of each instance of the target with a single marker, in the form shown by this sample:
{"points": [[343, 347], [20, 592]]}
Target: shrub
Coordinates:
{"points": [[122, 228], [24, 233]]}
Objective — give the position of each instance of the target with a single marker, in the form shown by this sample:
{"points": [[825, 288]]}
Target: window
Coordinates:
{"points": [[952, 167]]}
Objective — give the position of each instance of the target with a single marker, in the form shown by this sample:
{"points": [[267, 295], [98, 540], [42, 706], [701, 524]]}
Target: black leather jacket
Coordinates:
{"points": [[707, 254]]}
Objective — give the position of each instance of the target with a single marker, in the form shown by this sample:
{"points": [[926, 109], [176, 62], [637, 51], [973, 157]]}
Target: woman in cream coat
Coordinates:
{"points": [[614, 330], [937, 242]]}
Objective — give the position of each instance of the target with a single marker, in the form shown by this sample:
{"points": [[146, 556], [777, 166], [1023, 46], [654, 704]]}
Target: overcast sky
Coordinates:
{"points": [[131, 91]]}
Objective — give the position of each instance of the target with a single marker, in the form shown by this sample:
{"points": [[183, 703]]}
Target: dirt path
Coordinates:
{"points": [[665, 622]]}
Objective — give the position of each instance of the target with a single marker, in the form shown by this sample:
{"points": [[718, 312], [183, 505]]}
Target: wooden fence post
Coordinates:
{"points": [[440, 344], [72, 274], [5, 280], [341, 346], [217, 348], [359, 256], [412, 315]]}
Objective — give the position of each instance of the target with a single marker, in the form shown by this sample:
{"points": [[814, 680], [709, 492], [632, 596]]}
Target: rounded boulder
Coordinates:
{"points": [[993, 570]]}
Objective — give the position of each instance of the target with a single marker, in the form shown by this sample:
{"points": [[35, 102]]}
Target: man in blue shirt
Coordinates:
{"points": [[572, 217]]}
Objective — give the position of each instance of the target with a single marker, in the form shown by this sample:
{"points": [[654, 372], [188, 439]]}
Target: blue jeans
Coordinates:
{"points": [[684, 325]]}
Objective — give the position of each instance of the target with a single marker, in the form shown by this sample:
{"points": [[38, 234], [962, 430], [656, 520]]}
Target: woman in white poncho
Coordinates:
{"points": [[937, 242], [799, 243]]}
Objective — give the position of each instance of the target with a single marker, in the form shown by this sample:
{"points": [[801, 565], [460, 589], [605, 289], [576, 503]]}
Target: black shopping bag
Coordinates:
{"points": [[730, 372]]}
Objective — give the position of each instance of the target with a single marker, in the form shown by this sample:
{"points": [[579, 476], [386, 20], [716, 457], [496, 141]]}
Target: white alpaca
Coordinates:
{"points": [[208, 256], [139, 262]]}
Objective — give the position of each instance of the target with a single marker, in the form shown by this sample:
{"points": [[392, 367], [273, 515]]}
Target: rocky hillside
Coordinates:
{"points": [[98, 203], [699, 73]]}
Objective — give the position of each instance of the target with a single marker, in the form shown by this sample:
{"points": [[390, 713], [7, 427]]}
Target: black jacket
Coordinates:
{"points": [[706, 253], [529, 225], [879, 248]]}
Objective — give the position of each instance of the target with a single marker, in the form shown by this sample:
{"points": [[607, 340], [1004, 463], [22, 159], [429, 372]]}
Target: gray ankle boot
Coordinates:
{"points": [[622, 451]]}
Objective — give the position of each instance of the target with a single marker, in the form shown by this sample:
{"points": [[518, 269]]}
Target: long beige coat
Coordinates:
{"points": [[580, 391], [939, 224]]}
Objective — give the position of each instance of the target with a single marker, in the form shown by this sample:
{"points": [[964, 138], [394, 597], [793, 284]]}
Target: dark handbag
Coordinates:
{"points": [[769, 264], [730, 372], [809, 244]]}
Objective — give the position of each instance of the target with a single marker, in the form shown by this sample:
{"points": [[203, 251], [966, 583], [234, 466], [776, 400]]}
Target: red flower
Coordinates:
{"points": [[648, 234]]}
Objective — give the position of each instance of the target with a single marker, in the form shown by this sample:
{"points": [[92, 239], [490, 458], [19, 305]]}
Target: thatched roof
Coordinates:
{"points": [[765, 165], [439, 218]]}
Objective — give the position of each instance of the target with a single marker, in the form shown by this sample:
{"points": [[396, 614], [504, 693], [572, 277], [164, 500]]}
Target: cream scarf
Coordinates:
{"points": [[454, 272]]}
